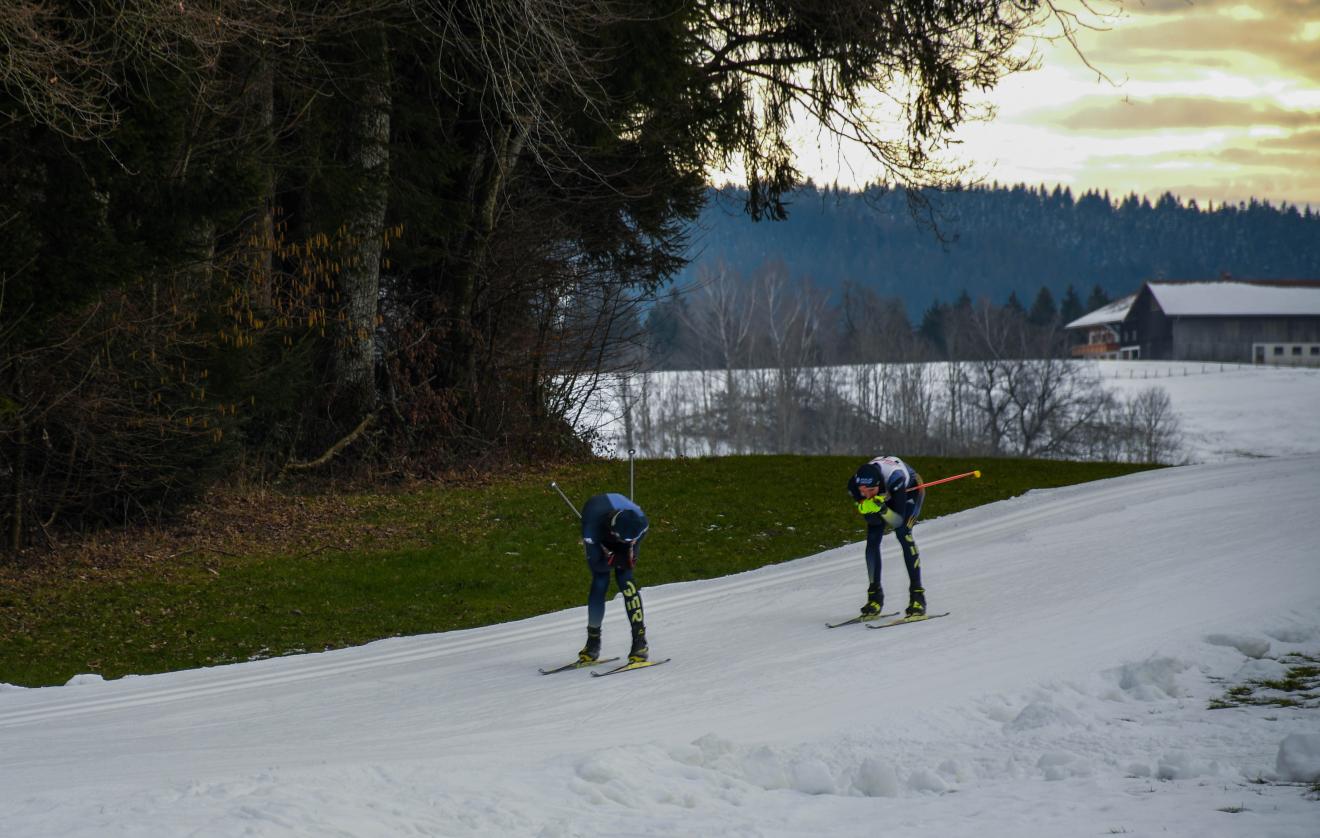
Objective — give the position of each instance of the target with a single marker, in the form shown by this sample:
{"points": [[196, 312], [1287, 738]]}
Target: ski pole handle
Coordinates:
{"points": [[555, 486], [945, 480]]}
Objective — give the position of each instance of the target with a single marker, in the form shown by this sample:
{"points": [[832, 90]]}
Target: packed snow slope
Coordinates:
{"points": [[1065, 695]]}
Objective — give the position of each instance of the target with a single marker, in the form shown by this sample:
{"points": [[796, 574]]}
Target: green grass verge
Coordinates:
{"points": [[1300, 687], [463, 557]]}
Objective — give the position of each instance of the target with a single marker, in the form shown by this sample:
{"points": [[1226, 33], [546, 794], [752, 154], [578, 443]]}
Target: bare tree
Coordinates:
{"points": [[1153, 432], [788, 325], [1052, 400], [719, 318], [872, 329]]}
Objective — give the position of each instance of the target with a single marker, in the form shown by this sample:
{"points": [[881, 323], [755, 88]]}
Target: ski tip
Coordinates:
{"points": [[905, 620], [627, 667]]}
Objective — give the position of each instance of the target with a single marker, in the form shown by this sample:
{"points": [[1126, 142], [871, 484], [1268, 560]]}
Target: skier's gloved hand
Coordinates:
{"points": [[876, 505], [871, 506]]}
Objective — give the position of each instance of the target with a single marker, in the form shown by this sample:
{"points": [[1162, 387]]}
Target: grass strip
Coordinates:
{"points": [[452, 557]]}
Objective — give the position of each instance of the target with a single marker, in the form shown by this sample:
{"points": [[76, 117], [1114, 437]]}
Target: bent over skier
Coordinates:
{"points": [[612, 530], [881, 489]]}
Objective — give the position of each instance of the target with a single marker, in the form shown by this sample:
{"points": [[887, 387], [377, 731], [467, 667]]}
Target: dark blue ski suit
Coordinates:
{"points": [[605, 552], [899, 512]]}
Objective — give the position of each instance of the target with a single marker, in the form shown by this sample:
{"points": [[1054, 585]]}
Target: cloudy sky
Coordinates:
{"points": [[1212, 100]]}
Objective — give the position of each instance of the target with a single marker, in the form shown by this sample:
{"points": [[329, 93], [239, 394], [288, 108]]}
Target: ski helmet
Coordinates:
{"points": [[869, 475]]}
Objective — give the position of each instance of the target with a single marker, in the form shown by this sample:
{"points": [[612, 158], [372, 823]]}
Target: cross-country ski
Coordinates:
{"points": [[578, 664], [905, 620], [862, 618]]}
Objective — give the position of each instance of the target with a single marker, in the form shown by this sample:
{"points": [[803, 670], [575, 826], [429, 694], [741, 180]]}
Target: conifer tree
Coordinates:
{"points": [[1070, 308], [1043, 311], [1098, 298]]}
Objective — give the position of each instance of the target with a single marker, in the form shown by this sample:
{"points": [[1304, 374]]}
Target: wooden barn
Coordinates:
{"points": [[1230, 320]]}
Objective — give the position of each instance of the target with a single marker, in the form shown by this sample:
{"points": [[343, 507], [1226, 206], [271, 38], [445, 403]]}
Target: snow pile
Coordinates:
{"points": [[1299, 758]]}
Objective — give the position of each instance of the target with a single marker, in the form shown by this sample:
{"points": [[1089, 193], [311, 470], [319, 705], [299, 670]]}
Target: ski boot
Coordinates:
{"points": [[639, 653], [591, 651], [875, 602], [917, 605]]}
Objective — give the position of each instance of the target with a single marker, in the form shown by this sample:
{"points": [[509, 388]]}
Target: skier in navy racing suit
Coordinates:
{"points": [[881, 489], [612, 531]]}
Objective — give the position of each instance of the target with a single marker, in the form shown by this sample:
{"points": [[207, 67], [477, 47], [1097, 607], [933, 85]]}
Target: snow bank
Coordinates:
{"points": [[1299, 758]]}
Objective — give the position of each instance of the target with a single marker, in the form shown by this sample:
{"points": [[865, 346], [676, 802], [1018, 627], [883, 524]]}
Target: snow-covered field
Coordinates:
{"points": [[1066, 695], [1225, 411], [1230, 411]]}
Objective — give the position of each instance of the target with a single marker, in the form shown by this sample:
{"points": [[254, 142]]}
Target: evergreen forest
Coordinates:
{"points": [[1003, 243]]}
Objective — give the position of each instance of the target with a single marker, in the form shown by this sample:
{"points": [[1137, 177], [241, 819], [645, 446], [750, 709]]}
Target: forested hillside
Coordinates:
{"points": [[993, 241]]}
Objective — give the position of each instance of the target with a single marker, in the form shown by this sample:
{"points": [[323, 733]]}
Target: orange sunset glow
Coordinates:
{"points": [[1212, 100]]}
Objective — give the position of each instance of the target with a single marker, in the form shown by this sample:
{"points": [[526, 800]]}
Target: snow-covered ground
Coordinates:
{"points": [[1066, 695], [1230, 411]]}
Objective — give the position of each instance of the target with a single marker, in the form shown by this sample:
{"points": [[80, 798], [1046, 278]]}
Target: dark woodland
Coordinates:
{"points": [[250, 240]]}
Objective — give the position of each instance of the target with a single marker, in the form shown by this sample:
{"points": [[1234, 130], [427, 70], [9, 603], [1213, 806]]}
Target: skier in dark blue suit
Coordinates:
{"points": [[612, 530], [881, 489]]}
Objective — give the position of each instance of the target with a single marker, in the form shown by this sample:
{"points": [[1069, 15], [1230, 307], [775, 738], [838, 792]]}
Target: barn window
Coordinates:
{"points": [[1297, 350], [1278, 350]]}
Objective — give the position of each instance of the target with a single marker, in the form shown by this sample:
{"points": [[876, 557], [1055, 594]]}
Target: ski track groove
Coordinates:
{"points": [[489, 637]]}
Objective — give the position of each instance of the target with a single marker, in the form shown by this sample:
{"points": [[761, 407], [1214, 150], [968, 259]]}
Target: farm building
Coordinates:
{"points": [[1237, 321]]}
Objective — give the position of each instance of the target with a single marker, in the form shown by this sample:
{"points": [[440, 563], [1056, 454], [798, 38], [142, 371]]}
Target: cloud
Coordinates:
{"points": [[1267, 8], [1095, 113], [1241, 156], [1302, 141], [1216, 99], [1288, 159], [1199, 38]]}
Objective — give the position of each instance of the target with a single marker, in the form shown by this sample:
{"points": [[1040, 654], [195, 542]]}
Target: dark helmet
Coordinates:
{"points": [[869, 475], [628, 525]]}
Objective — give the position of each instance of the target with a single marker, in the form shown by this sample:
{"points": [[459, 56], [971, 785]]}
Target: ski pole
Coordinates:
{"points": [[555, 486], [631, 482], [945, 480]]}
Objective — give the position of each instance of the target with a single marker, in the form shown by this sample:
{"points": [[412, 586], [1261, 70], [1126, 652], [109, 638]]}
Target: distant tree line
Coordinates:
{"points": [[729, 320], [996, 241], [259, 238]]}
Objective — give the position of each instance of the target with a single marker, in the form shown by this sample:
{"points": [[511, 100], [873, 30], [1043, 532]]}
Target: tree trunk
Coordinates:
{"points": [[261, 101], [487, 183], [16, 529], [359, 280]]}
